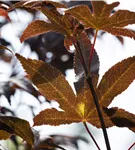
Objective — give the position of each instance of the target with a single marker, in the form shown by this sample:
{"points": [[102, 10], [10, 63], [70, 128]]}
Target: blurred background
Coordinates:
{"points": [[18, 97]]}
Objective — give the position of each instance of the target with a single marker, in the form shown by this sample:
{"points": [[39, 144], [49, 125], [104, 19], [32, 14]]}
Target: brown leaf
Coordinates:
{"points": [[4, 135], [35, 28], [4, 13], [101, 19], [79, 12], [56, 24], [80, 108], [97, 6], [116, 80], [61, 22], [55, 4], [50, 82], [47, 144], [17, 126], [31, 4], [121, 118], [2, 47], [107, 10]]}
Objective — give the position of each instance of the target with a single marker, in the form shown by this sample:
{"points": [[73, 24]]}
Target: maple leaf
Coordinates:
{"points": [[11, 125], [120, 118], [116, 80], [101, 18], [57, 22], [76, 108], [33, 3]]}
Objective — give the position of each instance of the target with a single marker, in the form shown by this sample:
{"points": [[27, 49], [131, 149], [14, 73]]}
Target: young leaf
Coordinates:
{"points": [[17, 126], [116, 80], [100, 19]]}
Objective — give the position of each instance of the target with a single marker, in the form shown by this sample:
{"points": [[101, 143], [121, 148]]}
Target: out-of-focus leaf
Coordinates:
{"points": [[4, 13], [4, 135], [17, 126], [121, 40], [8, 90], [100, 19], [68, 140], [5, 110], [47, 144], [116, 80], [2, 47]]}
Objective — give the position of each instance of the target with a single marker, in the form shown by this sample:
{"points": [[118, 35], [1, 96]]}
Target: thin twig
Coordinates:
{"points": [[92, 50], [131, 146], [86, 127], [78, 51], [89, 80]]}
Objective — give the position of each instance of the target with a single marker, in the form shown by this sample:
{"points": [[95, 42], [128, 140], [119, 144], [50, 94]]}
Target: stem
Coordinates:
{"points": [[92, 50], [86, 127], [89, 80], [131, 146], [78, 50]]}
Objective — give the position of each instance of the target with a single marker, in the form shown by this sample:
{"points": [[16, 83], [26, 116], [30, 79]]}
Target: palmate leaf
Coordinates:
{"points": [[101, 19], [57, 22], [11, 125], [78, 108], [35, 28], [31, 4], [121, 118], [116, 80], [50, 82]]}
